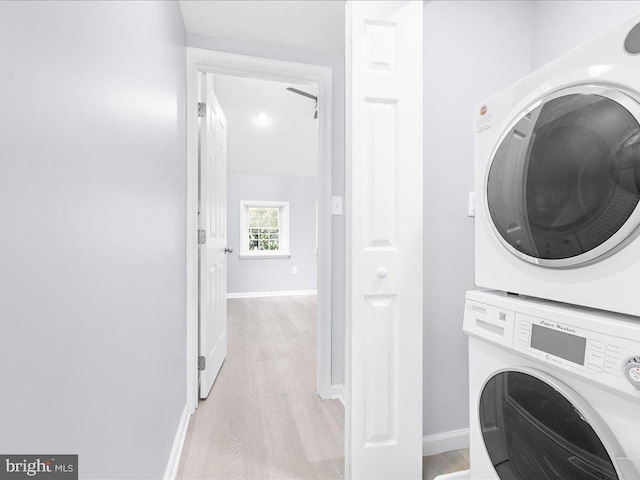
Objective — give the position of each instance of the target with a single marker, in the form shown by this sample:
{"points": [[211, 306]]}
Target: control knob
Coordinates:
{"points": [[632, 371]]}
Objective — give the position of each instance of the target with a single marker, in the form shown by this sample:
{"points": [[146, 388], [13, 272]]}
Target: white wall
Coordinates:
{"points": [[471, 49], [310, 25], [274, 274], [92, 189], [338, 236], [560, 26]]}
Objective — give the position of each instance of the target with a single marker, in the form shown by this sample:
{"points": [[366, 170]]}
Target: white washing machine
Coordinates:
{"points": [[554, 391], [557, 162]]}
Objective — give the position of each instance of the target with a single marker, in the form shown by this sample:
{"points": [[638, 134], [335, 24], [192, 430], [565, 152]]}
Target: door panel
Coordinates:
{"points": [[531, 431], [564, 182], [384, 254], [213, 221]]}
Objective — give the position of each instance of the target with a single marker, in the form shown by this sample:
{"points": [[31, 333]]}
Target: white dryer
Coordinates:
{"points": [[557, 162], [554, 391]]}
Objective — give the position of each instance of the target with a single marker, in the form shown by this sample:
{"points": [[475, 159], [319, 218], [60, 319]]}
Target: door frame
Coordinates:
{"points": [[209, 61]]}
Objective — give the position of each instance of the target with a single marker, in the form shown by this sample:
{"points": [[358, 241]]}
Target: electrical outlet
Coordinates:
{"points": [[294, 270]]}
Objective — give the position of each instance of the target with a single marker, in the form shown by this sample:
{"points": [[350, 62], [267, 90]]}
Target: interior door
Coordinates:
{"points": [[213, 232], [384, 251]]}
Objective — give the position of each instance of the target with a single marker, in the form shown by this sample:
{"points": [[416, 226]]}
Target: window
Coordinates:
{"points": [[264, 229]]}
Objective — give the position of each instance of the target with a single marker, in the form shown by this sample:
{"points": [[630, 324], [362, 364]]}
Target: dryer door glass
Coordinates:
{"points": [[566, 178], [532, 432]]}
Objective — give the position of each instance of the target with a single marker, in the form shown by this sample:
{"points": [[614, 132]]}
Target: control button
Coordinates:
{"points": [[598, 367], [613, 370], [613, 359], [618, 350], [632, 371], [596, 346]]}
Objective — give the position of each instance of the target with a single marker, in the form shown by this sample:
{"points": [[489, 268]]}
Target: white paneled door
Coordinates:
{"points": [[384, 263], [212, 220]]}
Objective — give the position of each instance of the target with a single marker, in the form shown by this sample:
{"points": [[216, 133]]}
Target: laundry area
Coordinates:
{"points": [[551, 315]]}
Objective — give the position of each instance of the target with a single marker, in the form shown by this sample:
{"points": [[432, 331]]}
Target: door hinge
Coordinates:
{"points": [[202, 237], [202, 109], [202, 363]]}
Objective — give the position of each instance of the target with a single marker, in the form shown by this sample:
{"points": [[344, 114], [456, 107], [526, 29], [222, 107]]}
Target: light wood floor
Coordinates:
{"points": [[445, 463], [263, 419]]}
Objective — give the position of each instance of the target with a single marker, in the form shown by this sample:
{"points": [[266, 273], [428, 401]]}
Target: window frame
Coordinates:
{"points": [[283, 225]]}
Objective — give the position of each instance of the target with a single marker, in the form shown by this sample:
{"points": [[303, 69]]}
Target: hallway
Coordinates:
{"points": [[263, 419]]}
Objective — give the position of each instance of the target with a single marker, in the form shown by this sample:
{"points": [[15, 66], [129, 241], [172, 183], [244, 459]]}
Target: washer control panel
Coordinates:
{"points": [[601, 357], [602, 350]]}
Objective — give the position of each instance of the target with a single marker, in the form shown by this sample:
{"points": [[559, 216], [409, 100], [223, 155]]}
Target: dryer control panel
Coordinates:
{"points": [[597, 355]]}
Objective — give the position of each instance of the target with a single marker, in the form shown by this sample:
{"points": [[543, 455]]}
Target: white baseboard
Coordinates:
{"points": [[290, 293], [445, 442], [337, 392], [462, 475], [176, 451]]}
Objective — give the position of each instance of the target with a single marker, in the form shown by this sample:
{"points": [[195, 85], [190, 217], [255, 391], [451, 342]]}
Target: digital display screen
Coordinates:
{"points": [[561, 344]]}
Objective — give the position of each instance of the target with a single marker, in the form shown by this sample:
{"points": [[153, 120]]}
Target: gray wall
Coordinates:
{"points": [[274, 274], [92, 189], [471, 50], [560, 26], [338, 236]]}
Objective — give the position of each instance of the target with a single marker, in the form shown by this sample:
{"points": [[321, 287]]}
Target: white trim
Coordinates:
{"points": [[445, 442], [337, 392], [178, 442], [253, 256], [202, 60], [264, 203], [462, 475], [289, 293]]}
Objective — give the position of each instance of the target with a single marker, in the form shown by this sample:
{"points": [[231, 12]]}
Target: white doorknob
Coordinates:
{"points": [[382, 272]]}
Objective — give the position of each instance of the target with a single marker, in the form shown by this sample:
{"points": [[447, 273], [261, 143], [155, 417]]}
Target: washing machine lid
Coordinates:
{"points": [[533, 429], [563, 185]]}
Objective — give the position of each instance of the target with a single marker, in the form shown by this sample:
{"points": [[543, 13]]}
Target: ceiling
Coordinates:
{"points": [[286, 146], [315, 26]]}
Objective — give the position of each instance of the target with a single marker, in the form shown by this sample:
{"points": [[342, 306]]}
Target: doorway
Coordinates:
{"points": [[205, 61], [313, 81]]}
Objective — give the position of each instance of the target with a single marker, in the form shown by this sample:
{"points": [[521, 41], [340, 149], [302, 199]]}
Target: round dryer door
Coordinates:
{"points": [[564, 182], [533, 432]]}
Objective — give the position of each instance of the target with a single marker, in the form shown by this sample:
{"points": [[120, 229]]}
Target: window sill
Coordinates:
{"points": [[265, 255]]}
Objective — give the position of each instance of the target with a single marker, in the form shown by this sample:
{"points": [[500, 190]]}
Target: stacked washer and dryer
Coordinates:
{"points": [[554, 347]]}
